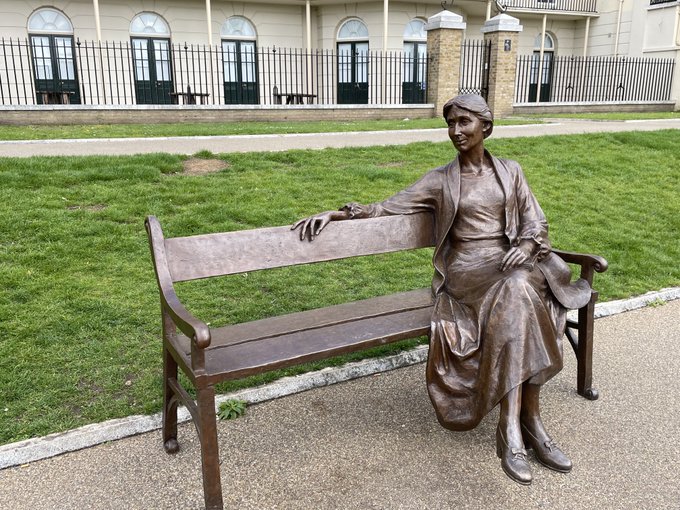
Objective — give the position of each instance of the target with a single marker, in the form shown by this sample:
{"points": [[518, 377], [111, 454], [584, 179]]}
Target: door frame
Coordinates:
{"points": [[158, 89], [239, 91], [353, 91], [56, 89]]}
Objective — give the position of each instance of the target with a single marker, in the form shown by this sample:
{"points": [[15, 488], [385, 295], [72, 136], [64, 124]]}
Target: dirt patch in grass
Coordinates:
{"points": [[198, 166]]}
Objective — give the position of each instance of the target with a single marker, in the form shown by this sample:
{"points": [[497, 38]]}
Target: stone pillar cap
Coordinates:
{"points": [[502, 23], [445, 19]]}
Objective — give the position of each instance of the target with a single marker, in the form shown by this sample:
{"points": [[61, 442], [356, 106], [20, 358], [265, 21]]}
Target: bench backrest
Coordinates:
{"points": [[203, 256]]}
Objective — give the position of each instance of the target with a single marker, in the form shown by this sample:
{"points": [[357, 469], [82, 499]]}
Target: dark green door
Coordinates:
{"points": [[546, 77], [153, 70], [353, 73], [415, 72], [240, 72], [56, 74]]}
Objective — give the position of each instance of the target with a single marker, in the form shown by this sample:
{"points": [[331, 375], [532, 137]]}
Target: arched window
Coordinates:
{"points": [[415, 30], [353, 29], [149, 23], [415, 62], [150, 37], [49, 20], [239, 57], [549, 44], [238, 27], [353, 62], [54, 63]]}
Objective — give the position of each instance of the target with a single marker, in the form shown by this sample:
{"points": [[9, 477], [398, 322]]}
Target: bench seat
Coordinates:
{"points": [[254, 347]]}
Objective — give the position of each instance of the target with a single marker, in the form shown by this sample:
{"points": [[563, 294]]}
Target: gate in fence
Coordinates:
{"points": [[474, 67]]}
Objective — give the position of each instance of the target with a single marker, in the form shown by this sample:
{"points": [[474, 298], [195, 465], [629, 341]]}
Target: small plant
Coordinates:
{"points": [[656, 303], [231, 409]]}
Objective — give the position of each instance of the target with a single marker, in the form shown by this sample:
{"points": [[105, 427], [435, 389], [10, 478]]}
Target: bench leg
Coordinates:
{"points": [[169, 404], [584, 352], [210, 457]]}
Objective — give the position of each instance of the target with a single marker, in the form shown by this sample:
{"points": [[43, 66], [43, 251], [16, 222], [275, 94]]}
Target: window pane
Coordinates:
{"points": [[248, 62], [162, 58], [65, 58], [229, 59], [141, 57], [42, 57]]}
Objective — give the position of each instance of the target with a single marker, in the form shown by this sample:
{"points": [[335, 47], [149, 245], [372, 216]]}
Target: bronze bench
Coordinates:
{"points": [[211, 355]]}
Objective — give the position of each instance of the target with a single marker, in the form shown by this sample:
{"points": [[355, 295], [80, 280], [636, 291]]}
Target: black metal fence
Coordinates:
{"points": [[474, 67], [553, 5], [593, 79], [45, 70], [656, 2]]}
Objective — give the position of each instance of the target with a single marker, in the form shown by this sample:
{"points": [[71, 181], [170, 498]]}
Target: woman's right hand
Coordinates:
{"points": [[312, 226]]}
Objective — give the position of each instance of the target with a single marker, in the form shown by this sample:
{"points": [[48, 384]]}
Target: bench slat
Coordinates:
{"points": [[203, 256], [248, 348]]}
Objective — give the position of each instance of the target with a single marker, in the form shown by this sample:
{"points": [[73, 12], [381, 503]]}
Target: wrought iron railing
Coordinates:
{"points": [[656, 2], [43, 70], [474, 67], [570, 79], [553, 5]]}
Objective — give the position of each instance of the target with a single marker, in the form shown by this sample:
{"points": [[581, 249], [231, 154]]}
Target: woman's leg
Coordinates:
{"points": [[509, 422], [535, 435], [509, 444]]}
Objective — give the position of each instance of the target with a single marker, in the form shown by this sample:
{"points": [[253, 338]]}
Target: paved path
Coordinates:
{"points": [[374, 443], [249, 143]]}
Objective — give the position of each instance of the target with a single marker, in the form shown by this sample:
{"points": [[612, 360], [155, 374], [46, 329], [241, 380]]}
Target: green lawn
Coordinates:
{"points": [[79, 313]]}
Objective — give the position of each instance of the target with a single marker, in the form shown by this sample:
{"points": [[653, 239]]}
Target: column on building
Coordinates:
{"points": [[503, 32], [444, 40]]}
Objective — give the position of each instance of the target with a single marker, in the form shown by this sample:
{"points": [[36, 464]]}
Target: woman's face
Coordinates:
{"points": [[466, 130]]}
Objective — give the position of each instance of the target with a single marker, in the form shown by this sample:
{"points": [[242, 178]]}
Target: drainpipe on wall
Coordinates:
{"points": [[308, 30], [618, 29], [208, 17], [98, 29], [540, 60], [97, 21], [386, 5], [585, 54]]}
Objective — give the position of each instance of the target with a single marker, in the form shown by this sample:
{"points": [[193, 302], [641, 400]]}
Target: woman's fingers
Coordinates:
{"points": [[513, 258]]}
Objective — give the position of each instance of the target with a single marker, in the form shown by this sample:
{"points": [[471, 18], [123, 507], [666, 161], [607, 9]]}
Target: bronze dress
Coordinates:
{"points": [[491, 330]]}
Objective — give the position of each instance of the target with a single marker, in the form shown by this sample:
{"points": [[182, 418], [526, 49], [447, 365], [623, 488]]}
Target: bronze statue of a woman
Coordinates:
{"points": [[500, 293]]}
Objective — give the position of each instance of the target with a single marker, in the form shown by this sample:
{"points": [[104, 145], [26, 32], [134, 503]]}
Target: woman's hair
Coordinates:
{"points": [[474, 104]]}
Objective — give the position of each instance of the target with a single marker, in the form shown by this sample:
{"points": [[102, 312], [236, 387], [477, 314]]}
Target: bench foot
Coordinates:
{"points": [[171, 446], [590, 394]]}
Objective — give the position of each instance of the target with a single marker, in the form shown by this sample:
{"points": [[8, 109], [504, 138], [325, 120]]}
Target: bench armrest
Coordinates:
{"points": [[588, 263], [194, 328], [197, 330]]}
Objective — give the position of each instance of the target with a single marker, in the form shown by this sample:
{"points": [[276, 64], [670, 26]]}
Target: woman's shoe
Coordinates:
{"points": [[513, 460], [547, 452]]}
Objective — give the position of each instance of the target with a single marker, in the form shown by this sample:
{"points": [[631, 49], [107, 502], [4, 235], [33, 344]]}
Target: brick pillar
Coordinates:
{"points": [[503, 32], [444, 40]]}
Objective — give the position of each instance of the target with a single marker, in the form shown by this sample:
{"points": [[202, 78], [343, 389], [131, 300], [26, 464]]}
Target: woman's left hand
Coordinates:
{"points": [[515, 257]]}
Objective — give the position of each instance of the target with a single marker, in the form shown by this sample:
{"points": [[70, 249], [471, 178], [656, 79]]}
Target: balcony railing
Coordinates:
{"points": [[580, 6], [657, 2]]}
